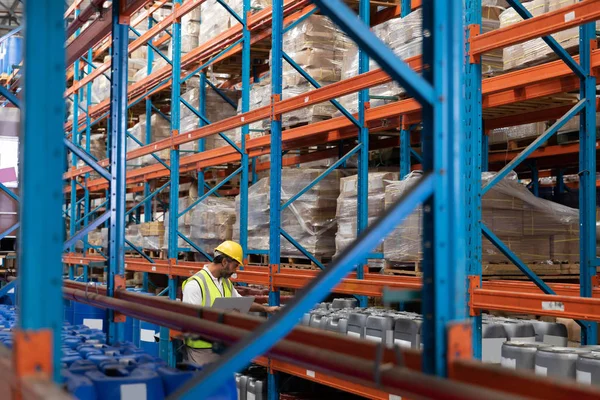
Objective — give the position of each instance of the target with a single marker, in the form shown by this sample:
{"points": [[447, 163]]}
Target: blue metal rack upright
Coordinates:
{"points": [[473, 159], [118, 131], [43, 160]]}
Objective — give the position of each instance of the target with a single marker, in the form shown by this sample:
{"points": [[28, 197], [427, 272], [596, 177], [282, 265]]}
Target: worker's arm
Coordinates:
{"points": [[256, 307]]}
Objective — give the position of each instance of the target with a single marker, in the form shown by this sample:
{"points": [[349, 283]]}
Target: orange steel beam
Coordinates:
{"points": [[372, 285], [585, 308], [328, 380], [542, 25], [548, 151]]}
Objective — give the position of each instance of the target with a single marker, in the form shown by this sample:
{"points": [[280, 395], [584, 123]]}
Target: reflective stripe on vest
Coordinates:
{"points": [[210, 292]]}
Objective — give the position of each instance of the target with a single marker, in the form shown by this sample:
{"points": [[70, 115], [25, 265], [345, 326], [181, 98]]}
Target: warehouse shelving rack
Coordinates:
{"points": [[533, 82]]}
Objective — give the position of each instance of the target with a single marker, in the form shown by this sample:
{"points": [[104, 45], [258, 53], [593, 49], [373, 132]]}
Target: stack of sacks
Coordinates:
{"points": [[217, 109], [152, 234], [503, 135], [537, 230], [160, 129], [490, 20], [310, 220], [319, 48], [404, 37], [212, 222], [346, 212]]}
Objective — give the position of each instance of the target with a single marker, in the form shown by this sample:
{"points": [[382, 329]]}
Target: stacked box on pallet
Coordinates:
{"points": [[536, 50], [211, 222], [404, 243], [537, 230], [318, 47], [152, 234], [572, 125], [404, 37], [134, 236], [490, 20], [190, 32], [503, 135], [346, 211], [310, 220], [160, 129], [219, 106]]}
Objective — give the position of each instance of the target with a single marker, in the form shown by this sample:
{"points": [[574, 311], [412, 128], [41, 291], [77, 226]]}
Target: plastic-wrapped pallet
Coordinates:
{"points": [[190, 31], [319, 48], [216, 19], [152, 235], [503, 135], [404, 243], [346, 212], [310, 220], [523, 53], [404, 37], [572, 125], [217, 109], [211, 222], [537, 230], [260, 96], [134, 236], [160, 129], [491, 62]]}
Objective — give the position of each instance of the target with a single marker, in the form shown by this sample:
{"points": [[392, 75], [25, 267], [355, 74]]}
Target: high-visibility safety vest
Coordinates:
{"points": [[210, 292]]}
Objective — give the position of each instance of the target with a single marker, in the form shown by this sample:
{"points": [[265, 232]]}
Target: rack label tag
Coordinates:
{"points": [[553, 306]]}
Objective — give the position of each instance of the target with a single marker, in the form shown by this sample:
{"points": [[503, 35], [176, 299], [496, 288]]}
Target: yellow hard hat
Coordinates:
{"points": [[232, 250]]}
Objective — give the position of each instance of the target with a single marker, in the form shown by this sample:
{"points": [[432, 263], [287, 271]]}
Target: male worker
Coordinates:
{"points": [[211, 282]]}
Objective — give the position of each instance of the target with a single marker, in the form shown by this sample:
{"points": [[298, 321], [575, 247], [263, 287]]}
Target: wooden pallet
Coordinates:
{"points": [[402, 268], [289, 262], [514, 144], [524, 107], [557, 270]]}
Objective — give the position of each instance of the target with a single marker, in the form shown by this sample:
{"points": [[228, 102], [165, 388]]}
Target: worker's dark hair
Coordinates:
{"points": [[218, 259]]}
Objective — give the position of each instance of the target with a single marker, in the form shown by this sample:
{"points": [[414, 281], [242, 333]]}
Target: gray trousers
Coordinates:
{"points": [[199, 356]]}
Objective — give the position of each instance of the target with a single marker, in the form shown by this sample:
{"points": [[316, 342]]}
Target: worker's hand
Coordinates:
{"points": [[272, 309]]}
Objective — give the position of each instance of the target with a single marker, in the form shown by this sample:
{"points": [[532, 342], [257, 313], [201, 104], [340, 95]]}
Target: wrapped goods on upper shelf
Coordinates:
{"points": [[503, 135], [216, 19], [160, 128], [218, 107], [536, 51], [404, 37], [572, 125], [318, 47]]}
